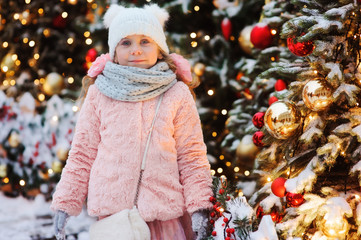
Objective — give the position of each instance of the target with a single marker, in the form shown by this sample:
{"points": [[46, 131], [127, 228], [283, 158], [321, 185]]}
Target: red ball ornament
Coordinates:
{"points": [[257, 138], [212, 199], [301, 49], [294, 199], [259, 212], [278, 187], [59, 22], [272, 100], [280, 85], [213, 214], [225, 220], [261, 36], [91, 55], [211, 221], [221, 191], [276, 216], [258, 119], [214, 233], [226, 26], [227, 238]]}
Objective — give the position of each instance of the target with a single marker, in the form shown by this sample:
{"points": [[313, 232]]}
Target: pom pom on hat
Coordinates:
{"points": [[160, 13], [123, 22], [111, 13]]}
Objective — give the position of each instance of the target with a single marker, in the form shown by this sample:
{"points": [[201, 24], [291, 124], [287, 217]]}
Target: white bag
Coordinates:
{"points": [[124, 225]]}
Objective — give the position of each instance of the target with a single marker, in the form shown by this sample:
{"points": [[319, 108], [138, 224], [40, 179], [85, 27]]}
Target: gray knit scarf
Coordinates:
{"points": [[133, 84]]}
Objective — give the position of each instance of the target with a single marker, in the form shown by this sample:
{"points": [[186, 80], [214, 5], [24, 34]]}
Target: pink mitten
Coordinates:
{"points": [[98, 65], [183, 68]]}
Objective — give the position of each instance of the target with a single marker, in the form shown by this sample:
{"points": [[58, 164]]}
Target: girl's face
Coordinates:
{"points": [[137, 51]]}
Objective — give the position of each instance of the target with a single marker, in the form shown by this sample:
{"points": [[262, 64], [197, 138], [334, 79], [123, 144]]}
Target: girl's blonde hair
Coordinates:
{"points": [[88, 81]]}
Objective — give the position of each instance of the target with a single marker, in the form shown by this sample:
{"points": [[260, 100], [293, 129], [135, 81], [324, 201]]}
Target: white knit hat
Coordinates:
{"points": [[148, 21]]}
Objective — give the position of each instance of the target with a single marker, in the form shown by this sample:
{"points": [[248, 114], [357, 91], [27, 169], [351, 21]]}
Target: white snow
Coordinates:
{"points": [[24, 219]]}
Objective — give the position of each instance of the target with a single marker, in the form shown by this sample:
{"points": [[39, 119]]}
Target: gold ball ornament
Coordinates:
{"points": [[14, 139], [7, 63], [282, 119], [246, 148], [53, 84], [62, 154], [199, 69], [334, 228], [3, 170], [244, 39], [317, 95], [57, 166]]}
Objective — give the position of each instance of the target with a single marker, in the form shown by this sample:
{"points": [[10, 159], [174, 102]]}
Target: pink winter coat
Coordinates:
{"points": [[107, 150]]}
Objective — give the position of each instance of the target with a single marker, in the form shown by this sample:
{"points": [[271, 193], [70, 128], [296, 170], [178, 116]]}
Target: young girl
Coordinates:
{"points": [[115, 118]]}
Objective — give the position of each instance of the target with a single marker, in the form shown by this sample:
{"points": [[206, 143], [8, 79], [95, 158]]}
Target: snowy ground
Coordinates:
{"points": [[23, 219]]}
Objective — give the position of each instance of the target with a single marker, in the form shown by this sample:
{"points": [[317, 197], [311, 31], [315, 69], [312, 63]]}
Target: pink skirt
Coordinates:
{"points": [[174, 229]]}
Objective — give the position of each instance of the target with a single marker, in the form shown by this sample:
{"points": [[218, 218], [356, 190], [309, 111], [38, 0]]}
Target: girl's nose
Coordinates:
{"points": [[136, 50]]}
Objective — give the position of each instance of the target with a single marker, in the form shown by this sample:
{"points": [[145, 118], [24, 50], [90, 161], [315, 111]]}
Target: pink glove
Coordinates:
{"points": [[98, 65], [183, 68]]}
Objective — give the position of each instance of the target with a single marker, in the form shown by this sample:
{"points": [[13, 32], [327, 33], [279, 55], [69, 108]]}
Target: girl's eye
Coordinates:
{"points": [[125, 43], [144, 41]]}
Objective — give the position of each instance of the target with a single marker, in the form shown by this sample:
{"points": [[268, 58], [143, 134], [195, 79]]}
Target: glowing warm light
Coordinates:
{"points": [[75, 108], [224, 112], [88, 41], [196, 8], [50, 171], [32, 43], [94, 6], [213, 172], [5, 68], [269, 179], [36, 82], [70, 80], [69, 60], [273, 31], [41, 11], [193, 35], [24, 22], [14, 57], [12, 82], [240, 194], [22, 182], [315, 71], [357, 197], [214, 134], [6, 180], [194, 44], [5, 44], [221, 157], [64, 14], [86, 34], [16, 16], [210, 92], [207, 37], [17, 62], [90, 1], [27, 1], [46, 32], [36, 56], [70, 40], [236, 169], [246, 173], [228, 164], [219, 170], [273, 59], [73, 2], [25, 40], [41, 97], [288, 173], [55, 118]]}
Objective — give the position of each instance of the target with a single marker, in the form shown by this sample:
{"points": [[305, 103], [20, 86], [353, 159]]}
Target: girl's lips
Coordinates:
{"points": [[136, 61]]}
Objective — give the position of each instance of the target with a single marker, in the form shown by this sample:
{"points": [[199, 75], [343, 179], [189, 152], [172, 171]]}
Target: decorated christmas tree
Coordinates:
{"points": [[309, 164], [45, 51]]}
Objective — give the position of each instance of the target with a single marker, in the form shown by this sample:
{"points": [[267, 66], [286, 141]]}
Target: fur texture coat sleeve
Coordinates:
{"points": [[193, 164], [72, 189]]}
